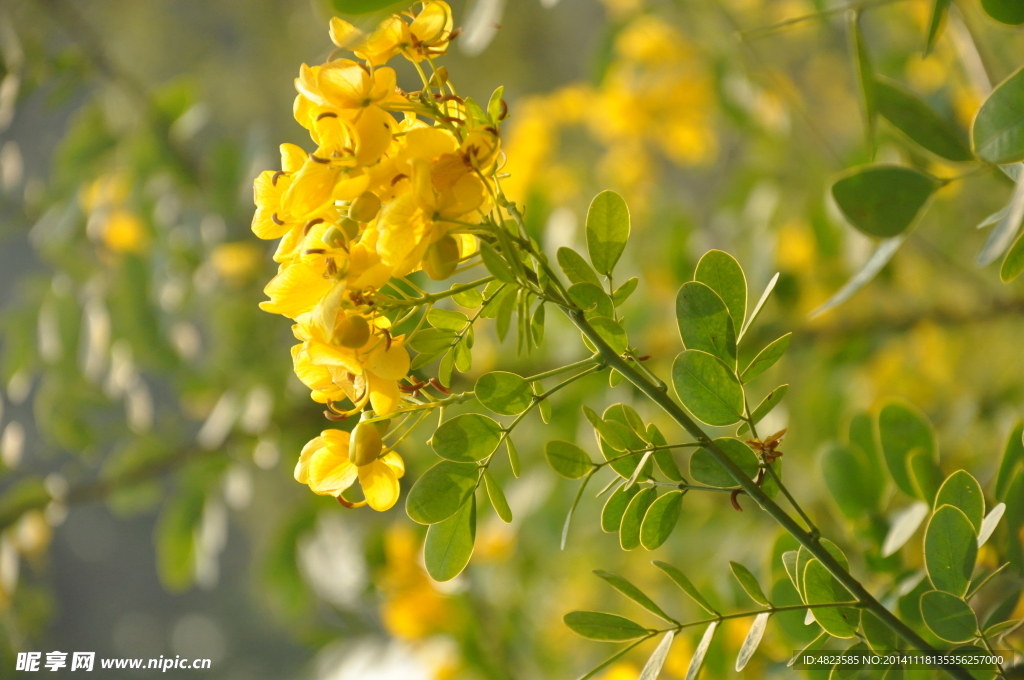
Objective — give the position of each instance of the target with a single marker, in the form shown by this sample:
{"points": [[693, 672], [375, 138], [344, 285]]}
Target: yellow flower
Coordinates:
{"points": [[376, 48], [125, 233], [429, 32], [236, 262], [325, 466]]}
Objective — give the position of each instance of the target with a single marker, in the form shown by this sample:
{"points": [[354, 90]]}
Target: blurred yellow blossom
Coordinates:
{"points": [[412, 608], [237, 262]]}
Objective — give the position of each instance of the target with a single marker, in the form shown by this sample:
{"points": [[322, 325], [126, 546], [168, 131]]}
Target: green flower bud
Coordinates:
{"points": [[364, 444], [351, 331], [350, 227], [364, 208], [334, 237], [441, 258]]}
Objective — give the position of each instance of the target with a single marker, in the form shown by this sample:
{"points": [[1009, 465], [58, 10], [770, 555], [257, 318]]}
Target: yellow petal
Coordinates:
{"points": [[431, 25], [380, 485], [310, 190], [344, 84], [302, 465], [323, 354], [330, 471], [389, 364], [395, 462], [385, 397], [344, 34], [373, 128], [296, 289], [292, 157]]}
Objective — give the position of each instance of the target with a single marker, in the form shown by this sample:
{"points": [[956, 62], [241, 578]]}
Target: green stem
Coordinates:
{"points": [[805, 538], [434, 297], [768, 610], [563, 369]]}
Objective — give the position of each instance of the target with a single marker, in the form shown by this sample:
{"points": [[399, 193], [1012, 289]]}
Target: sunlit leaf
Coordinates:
{"points": [[441, 491], [466, 438], [607, 230], [925, 475], [504, 393], [567, 459], [962, 490], [949, 617], [632, 518], [903, 428], [752, 640], [615, 507], [722, 273], [821, 587], [497, 497], [918, 121], [705, 468], [575, 268], [707, 388], [680, 579], [998, 134], [449, 544], [767, 357], [611, 332], [602, 626], [904, 525], [989, 524], [749, 583], [950, 548], [632, 592], [1006, 11], [652, 669], [660, 519], [704, 321], [879, 258], [702, 649]]}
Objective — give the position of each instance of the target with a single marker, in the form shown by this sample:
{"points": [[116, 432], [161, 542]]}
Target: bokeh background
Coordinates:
{"points": [[150, 422]]}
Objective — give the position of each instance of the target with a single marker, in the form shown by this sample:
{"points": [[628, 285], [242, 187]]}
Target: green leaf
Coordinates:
{"points": [[704, 467], [789, 562], [679, 578], [441, 491], [470, 299], [615, 507], [607, 230], [504, 393], [939, 11], [663, 457], [879, 636], [904, 525], [496, 264], [592, 299], [567, 459], [632, 518], [1006, 11], [602, 626], [722, 273], [765, 407], [576, 268], [821, 587], [749, 584], [494, 108], [693, 670], [950, 548], [466, 438], [865, 77], [704, 321], [464, 354], [623, 292], [998, 133], [752, 640], [901, 429], [444, 369], [1013, 263], [949, 617], [361, 6], [708, 388], [503, 310], [660, 519], [767, 357], [925, 474], [431, 341], [918, 121], [962, 490], [446, 320], [846, 475], [883, 200], [611, 435], [611, 332], [989, 524], [632, 592], [537, 324], [652, 669], [1001, 629], [1013, 458], [513, 457], [883, 252], [449, 544], [497, 497]]}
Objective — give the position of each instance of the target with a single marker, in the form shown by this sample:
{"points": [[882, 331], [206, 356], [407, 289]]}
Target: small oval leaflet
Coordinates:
{"points": [[654, 664], [950, 549], [704, 321], [615, 506], [449, 544], [660, 519], [883, 200], [466, 438], [504, 393], [441, 491], [723, 274], [998, 133], [602, 626], [707, 388], [705, 469], [607, 230], [567, 459], [962, 490], [903, 527], [949, 617], [821, 587], [702, 649], [629, 530]]}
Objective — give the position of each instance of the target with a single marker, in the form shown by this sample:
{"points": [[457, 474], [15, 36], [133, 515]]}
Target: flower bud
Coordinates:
{"points": [[350, 227], [334, 237], [441, 258], [351, 331], [364, 208], [364, 444]]}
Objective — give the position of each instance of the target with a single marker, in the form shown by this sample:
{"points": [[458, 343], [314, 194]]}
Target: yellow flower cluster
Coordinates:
{"points": [[380, 197], [656, 97]]}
